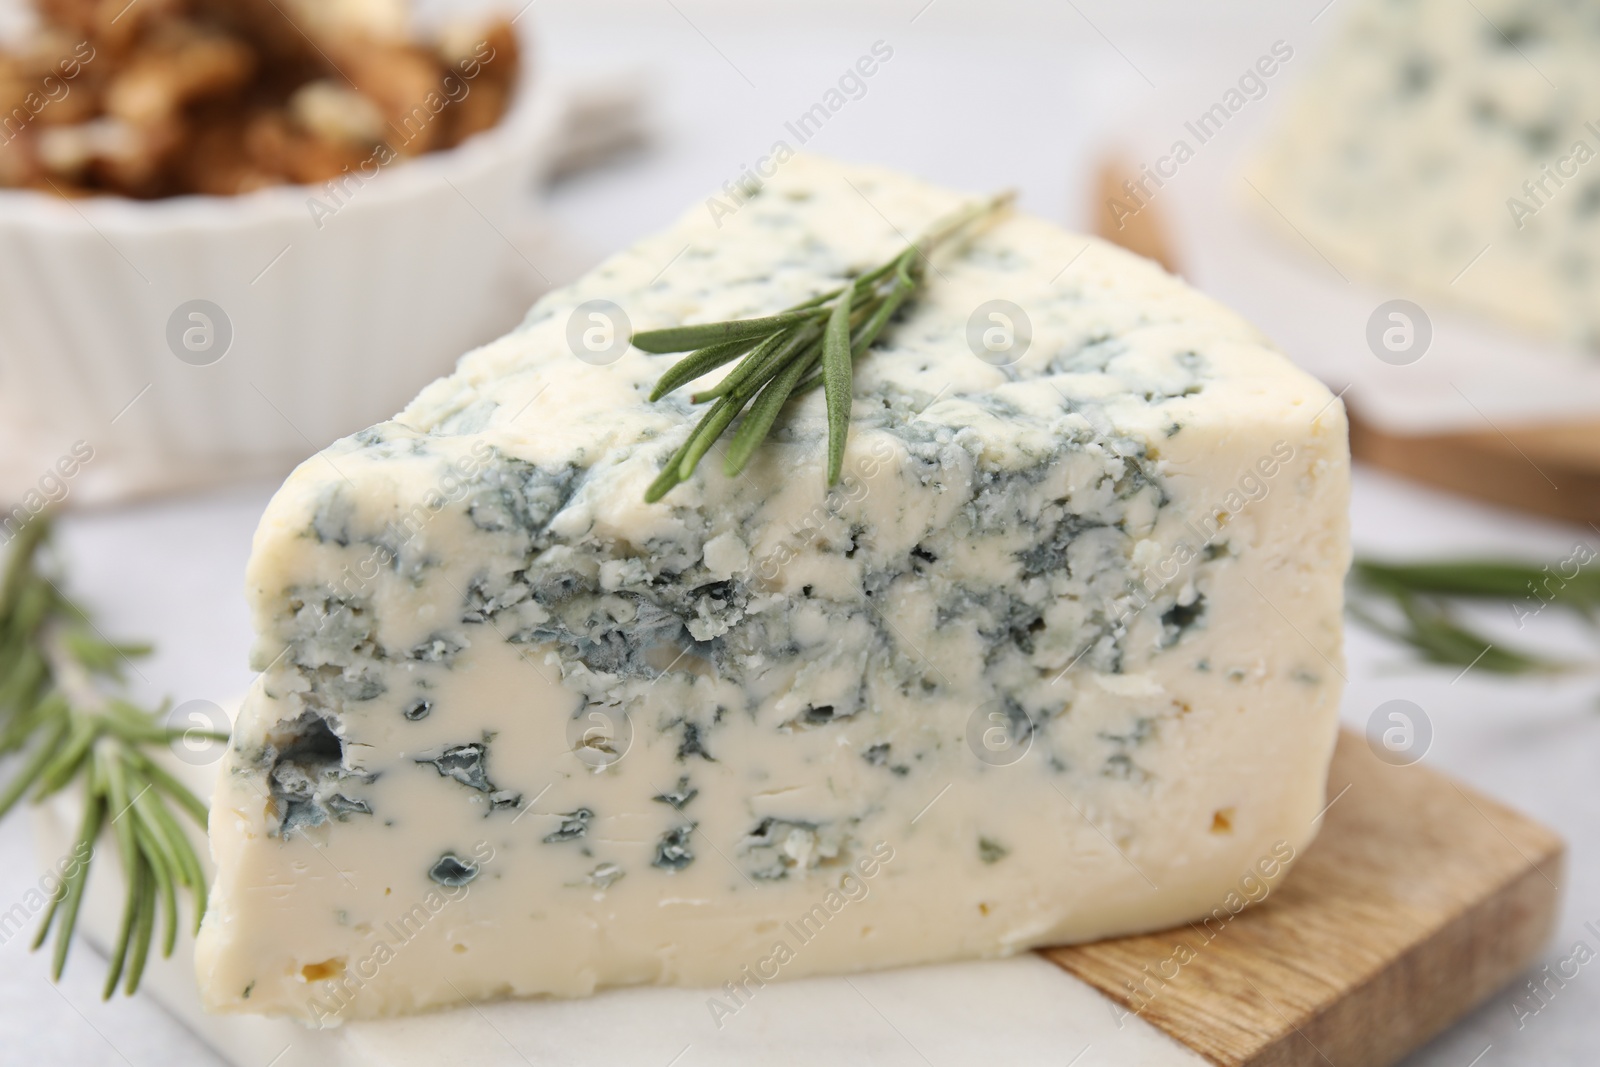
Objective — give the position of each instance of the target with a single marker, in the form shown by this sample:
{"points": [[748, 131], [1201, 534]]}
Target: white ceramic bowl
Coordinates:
{"points": [[318, 319]]}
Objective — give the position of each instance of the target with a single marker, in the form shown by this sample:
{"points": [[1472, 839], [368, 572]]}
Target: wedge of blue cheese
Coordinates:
{"points": [[1058, 658], [1453, 148]]}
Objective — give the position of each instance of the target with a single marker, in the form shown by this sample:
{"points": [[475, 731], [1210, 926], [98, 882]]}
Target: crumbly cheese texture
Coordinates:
{"points": [[1454, 148], [1059, 658]]}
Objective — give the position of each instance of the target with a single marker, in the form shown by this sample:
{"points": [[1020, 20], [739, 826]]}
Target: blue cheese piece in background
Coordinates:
{"points": [[1453, 148], [1059, 658]]}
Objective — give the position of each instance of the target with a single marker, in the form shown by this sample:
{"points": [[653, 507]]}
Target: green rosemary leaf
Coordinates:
{"points": [[95, 655], [136, 726], [19, 695], [1490, 579], [172, 788], [670, 474], [904, 285], [836, 374], [69, 759], [880, 314], [758, 423], [1420, 595], [185, 864], [24, 779], [757, 367], [118, 801], [686, 338], [809, 355], [151, 834], [12, 655], [20, 563], [94, 813], [1440, 639], [762, 355], [717, 419], [60, 708], [859, 286], [35, 599], [758, 357], [119, 951], [859, 312], [169, 908], [166, 877], [144, 927], [698, 363], [192, 875]]}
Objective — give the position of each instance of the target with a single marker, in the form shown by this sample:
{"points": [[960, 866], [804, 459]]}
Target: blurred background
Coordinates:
{"points": [[316, 319]]}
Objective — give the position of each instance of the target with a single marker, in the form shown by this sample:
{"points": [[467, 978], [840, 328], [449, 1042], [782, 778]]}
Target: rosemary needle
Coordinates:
{"points": [[781, 356], [1420, 596], [59, 711], [837, 378]]}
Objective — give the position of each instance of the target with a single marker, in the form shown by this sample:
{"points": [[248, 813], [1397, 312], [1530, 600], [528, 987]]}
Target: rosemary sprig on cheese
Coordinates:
{"points": [[61, 711], [788, 354], [1419, 596]]}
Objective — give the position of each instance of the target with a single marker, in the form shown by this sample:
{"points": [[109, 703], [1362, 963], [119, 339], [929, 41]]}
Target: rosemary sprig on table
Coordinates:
{"points": [[814, 343], [60, 710], [1421, 594]]}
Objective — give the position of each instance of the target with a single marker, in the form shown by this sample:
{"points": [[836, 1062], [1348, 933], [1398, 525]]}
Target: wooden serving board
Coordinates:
{"points": [[1549, 470], [1417, 900]]}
